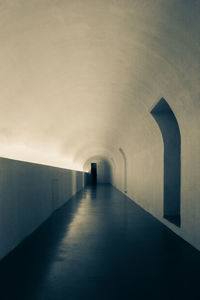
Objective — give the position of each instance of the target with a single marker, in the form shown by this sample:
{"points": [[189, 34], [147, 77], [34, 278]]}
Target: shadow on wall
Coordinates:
{"points": [[169, 128], [125, 168], [55, 193]]}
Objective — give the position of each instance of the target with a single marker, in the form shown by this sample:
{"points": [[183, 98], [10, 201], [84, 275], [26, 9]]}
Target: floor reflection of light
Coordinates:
{"points": [[83, 225], [82, 221]]}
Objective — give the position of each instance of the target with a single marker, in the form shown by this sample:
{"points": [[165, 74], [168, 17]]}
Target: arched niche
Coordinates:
{"points": [[169, 128]]}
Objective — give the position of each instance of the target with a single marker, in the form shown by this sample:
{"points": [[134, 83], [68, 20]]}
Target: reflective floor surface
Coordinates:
{"points": [[101, 245]]}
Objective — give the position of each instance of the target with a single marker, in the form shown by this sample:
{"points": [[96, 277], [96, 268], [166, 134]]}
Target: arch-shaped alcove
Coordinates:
{"points": [[169, 128]]}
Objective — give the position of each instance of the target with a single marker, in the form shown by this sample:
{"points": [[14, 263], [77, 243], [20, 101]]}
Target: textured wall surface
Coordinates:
{"points": [[78, 79], [29, 193]]}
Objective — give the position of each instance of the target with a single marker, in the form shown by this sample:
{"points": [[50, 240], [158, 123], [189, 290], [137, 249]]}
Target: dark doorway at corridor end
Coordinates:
{"points": [[99, 170], [93, 173]]}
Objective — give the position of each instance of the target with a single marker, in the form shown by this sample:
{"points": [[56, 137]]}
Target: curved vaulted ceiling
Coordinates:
{"points": [[79, 78]]}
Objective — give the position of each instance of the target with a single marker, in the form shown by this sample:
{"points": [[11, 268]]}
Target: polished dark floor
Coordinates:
{"points": [[101, 245]]}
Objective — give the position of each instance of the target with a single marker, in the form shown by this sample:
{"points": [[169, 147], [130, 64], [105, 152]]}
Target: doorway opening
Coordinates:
{"points": [[93, 173], [101, 173], [170, 131]]}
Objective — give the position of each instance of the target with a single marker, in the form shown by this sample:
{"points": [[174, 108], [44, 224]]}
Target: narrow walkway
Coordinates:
{"points": [[100, 245]]}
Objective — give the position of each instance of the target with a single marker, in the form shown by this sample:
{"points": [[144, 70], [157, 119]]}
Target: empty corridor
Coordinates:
{"points": [[101, 245]]}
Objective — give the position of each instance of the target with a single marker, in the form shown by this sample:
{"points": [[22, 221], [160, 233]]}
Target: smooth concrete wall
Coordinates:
{"points": [[145, 178], [29, 193], [172, 58]]}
